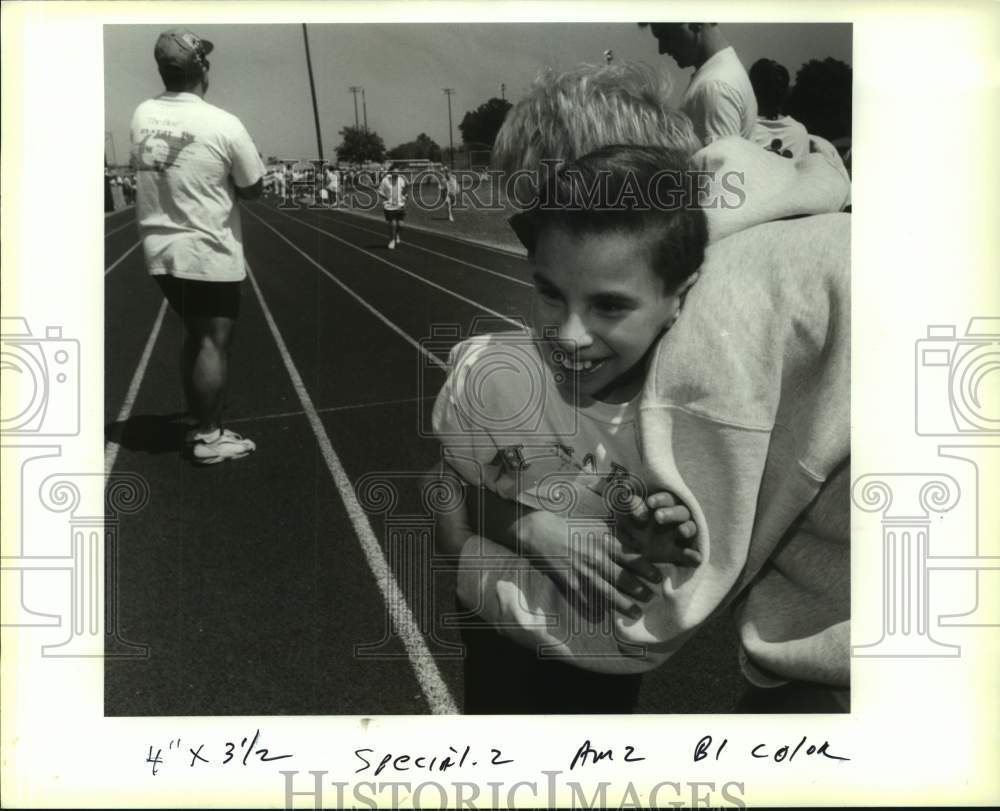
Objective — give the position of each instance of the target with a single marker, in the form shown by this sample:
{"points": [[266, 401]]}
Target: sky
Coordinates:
{"points": [[258, 72]]}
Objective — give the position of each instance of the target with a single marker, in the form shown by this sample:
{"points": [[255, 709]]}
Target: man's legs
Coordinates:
{"points": [[393, 219], [209, 311], [206, 373], [205, 366]]}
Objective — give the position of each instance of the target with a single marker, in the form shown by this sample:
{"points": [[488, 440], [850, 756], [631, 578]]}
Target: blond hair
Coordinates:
{"points": [[567, 115]]}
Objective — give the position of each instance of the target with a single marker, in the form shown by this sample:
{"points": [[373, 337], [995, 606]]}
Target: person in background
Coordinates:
{"points": [[195, 161], [719, 100], [332, 179], [117, 194], [393, 192], [774, 130], [109, 200], [281, 181], [450, 188], [286, 182]]}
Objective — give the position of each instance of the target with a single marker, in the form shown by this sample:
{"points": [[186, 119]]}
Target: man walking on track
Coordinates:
{"points": [[194, 160]]}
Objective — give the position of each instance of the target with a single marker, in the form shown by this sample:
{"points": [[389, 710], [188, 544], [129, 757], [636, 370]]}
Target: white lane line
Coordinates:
{"points": [[111, 448], [416, 276], [435, 690], [123, 257], [120, 228], [429, 355], [329, 409], [442, 255]]}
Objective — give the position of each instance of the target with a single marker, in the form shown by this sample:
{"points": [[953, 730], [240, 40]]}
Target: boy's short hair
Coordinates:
{"points": [[568, 115], [646, 191], [770, 82]]}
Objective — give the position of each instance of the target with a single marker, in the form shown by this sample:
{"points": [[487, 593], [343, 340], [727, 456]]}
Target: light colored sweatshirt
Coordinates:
{"points": [[749, 185], [746, 416]]}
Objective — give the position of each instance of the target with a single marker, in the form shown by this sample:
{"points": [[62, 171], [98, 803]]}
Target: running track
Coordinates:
{"points": [[253, 581]]}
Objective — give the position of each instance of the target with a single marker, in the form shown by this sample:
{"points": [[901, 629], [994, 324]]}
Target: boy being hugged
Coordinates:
{"points": [[546, 421]]}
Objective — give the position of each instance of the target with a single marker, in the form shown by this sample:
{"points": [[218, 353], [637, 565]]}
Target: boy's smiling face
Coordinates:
{"points": [[607, 305]]}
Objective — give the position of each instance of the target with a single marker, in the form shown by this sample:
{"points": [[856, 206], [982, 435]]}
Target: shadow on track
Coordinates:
{"points": [[150, 433]]}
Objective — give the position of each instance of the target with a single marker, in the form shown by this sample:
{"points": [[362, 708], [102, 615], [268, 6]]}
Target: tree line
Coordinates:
{"points": [[820, 99], [478, 128]]}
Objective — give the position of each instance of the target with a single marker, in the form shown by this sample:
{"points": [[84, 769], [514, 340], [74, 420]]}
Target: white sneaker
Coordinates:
{"points": [[221, 444], [392, 245]]}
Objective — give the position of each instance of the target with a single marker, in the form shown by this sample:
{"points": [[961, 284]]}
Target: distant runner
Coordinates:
{"points": [[393, 190]]}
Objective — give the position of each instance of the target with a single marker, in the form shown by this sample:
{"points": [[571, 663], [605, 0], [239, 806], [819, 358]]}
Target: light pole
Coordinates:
{"points": [[449, 92], [312, 89], [364, 108], [110, 136], [354, 90], [503, 92]]}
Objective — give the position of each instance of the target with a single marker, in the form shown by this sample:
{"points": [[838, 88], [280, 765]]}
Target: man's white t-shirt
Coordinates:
{"points": [[393, 192], [190, 157], [720, 100]]}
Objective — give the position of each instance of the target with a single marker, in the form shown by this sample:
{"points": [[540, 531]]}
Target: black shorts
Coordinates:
{"points": [[197, 299], [398, 214]]}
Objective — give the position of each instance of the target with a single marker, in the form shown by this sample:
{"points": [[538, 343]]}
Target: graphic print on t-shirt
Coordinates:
{"points": [[158, 151], [541, 472]]}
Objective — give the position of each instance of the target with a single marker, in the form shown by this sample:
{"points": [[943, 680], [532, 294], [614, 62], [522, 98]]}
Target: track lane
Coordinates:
{"points": [[131, 303], [503, 285], [507, 268], [241, 576], [368, 269]]}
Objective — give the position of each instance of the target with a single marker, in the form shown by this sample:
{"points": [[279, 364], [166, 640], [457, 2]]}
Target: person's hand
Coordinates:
{"points": [[592, 568], [660, 529]]}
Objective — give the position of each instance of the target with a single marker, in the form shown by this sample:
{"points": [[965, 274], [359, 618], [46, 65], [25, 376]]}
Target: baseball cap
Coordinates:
{"points": [[180, 49]]}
